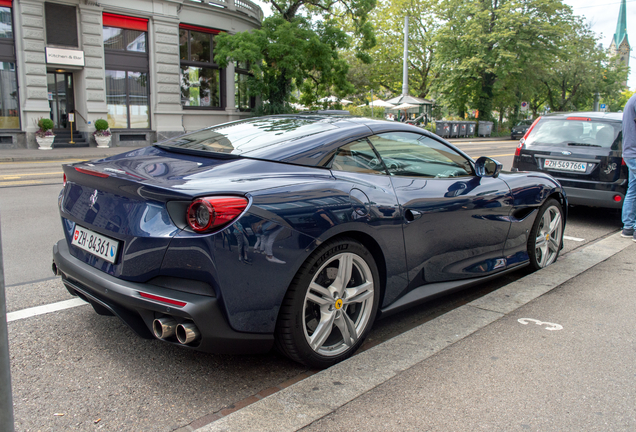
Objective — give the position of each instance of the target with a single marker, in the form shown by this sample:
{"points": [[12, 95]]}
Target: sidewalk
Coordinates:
{"points": [[552, 351], [86, 153]]}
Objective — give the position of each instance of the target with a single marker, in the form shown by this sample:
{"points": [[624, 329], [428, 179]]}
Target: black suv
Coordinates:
{"points": [[583, 151], [520, 129]]}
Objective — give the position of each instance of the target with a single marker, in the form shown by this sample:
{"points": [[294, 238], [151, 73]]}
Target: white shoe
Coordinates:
{"points": [[274, 260]]}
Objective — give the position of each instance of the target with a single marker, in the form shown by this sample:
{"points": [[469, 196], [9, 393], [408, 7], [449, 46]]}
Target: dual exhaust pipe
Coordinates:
{"points": [[166, 327]]}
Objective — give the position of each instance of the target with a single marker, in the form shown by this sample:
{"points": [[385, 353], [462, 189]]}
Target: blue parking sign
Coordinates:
{"points": [[603, 106]]}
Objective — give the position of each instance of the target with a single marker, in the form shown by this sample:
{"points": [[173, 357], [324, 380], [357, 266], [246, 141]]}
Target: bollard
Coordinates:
{"points": [[6, 398]]}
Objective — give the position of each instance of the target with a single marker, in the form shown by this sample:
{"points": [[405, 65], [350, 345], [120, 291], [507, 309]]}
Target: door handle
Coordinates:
{"points": [[411, 215]]}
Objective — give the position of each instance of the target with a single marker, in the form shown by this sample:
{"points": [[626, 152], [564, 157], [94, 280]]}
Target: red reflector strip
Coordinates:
{"points": [[162, 299], [91, 172], [617, 198], [579, 118]]}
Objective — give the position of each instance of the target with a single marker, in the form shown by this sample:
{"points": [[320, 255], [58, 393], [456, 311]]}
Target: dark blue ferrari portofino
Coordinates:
{"points": [[295, 231]]}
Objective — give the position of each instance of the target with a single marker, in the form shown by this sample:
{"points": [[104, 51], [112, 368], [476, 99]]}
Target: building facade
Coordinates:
{"points": [[619, 47], [145, 66]]}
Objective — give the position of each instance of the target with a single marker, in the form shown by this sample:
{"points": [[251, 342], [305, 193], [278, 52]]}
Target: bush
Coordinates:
{"points": [[45, 124], [101, 125]]}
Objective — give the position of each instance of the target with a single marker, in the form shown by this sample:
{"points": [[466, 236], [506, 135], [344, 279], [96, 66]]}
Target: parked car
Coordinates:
{"points": [[520, 129], [582, 150], [295, 231]]}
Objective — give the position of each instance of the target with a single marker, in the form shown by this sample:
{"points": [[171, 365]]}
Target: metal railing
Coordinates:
{"points": [[244, 6]]}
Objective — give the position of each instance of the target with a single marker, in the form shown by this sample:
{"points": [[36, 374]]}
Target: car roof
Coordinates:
{"points": [[596, 115], [310, 149]]}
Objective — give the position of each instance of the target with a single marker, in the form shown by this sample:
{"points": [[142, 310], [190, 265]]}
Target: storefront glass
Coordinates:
{"points": [[6, 26], [9, 107], [127, 100], [200, 87]]}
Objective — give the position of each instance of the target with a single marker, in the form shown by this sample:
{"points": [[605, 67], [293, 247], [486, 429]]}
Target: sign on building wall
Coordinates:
{"points": [[64, 57]]}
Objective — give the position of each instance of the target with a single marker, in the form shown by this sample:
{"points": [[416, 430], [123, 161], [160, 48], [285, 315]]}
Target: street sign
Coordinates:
{"points": [[603, 106], [524, 106]]}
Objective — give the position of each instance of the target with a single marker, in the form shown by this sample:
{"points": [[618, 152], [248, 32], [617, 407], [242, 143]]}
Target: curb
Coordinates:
{"points": [[322, 393]]}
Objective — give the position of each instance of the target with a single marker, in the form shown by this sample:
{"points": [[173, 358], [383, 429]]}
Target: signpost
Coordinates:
{"points": [[6, 398], [71, 119]]}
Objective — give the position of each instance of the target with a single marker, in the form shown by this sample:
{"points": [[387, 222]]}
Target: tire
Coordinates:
{"points": [[323, 321], [546, 235]]}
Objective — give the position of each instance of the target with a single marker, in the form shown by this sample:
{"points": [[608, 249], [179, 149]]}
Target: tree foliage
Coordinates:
{"points": [[299, 46]]}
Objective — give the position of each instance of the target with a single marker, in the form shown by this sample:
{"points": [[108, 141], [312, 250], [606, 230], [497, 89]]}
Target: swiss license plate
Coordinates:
{"points": [[96, 244], [565, 165]]}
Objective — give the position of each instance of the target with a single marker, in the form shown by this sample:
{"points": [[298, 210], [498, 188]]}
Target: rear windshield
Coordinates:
{"points": [[582, 133], [248, 135]]}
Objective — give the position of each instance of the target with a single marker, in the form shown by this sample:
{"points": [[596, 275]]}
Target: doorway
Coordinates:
{"points": [[61, 100]]}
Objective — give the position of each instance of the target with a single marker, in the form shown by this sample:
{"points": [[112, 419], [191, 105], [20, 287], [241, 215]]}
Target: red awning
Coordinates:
{"points": [[199, 29], [5, 3], [125, 22]]}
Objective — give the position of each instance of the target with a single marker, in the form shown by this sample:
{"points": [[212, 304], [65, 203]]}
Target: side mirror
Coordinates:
{"points": [[487, 167]]}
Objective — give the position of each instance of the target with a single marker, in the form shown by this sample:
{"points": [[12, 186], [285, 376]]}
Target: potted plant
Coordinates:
{"points": [[44, 135], [102, 134]]}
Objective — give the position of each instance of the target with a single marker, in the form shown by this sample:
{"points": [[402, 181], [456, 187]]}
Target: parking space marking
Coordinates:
{"points": [[549, 326], [576, 239], [44, 309]]}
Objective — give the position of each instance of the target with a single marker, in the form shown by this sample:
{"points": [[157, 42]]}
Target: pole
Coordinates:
{"points": [[405, 68], [372, 112], [71, 119], [6, 398], [597, 97]]}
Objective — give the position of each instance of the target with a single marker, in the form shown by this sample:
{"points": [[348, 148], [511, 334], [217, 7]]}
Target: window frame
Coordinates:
{"points": [[203, 65], [246, 72]]}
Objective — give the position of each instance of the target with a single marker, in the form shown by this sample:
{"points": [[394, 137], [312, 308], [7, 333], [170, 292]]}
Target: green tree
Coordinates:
{"points": [[581, 69], [385, 71], [299, 46], [484, 47]]}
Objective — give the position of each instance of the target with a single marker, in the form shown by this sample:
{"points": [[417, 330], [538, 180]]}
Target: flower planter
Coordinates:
{"points": [[103, 141], [46, 142]]}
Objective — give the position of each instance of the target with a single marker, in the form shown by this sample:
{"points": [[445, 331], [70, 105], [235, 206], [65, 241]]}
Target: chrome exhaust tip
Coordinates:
{"points": [[187, 333], [164, 327]]}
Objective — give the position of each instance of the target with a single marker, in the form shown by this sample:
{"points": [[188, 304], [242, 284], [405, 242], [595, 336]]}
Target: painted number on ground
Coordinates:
{"points": [[549, 326]]}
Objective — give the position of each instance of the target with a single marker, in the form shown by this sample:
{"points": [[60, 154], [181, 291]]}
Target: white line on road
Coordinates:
{"points": [[40, 310], [573, 238]]}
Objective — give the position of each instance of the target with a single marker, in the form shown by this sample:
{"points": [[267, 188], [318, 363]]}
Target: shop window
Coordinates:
{"points": [[61, 25], [9, 103], [201, 79], [127, 100], [126, 58], [242, 98]]}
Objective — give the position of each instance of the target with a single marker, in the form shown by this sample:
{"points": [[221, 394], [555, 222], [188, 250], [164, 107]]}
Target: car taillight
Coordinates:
{"points": [[91, 172], [617, 198], [64, 179], [209, 213], [519, 147], [525, 137]]}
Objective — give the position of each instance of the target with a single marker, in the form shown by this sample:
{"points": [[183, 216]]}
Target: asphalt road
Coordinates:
{"points": [[75, 370]]}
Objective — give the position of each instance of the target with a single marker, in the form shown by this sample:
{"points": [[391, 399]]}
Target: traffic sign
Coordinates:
{"points": [[603, 106]]}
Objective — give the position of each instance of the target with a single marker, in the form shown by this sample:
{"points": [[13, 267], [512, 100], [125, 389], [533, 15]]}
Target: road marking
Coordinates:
{"points": [[573, 238], [17, 176], [41, 310], [550, 326], [22, 183], [42, 162]]}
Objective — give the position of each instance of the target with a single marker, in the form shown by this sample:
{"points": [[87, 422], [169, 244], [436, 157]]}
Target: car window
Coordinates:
{"points": [[413, 155], [573, 133], [357, 157]]}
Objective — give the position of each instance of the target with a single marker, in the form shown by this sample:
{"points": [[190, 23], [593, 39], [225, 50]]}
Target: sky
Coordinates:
{"points": [[602, 15]]}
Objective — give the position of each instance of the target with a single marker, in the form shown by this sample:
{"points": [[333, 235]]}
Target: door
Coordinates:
{"points": [[61, 101], [455, 223]]}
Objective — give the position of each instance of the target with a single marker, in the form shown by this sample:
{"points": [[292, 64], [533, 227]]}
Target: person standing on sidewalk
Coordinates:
{"points": [[629, 156]]}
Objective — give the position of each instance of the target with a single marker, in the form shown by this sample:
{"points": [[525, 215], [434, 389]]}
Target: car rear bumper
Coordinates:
{"points": [[112, 296], [593, 198]]}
